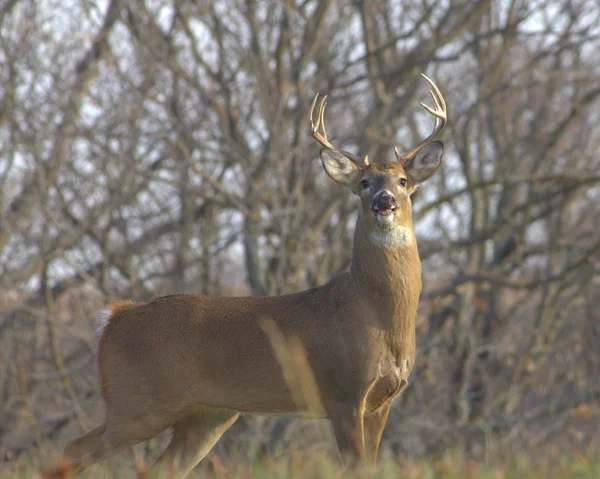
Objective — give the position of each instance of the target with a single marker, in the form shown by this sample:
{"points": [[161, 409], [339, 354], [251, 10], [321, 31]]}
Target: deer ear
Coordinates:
{"points": [[425, 163], [339, 168]]}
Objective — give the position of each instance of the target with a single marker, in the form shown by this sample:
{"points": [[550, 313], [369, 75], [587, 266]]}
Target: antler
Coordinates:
{"points": [[320, 134], [440, 122]]}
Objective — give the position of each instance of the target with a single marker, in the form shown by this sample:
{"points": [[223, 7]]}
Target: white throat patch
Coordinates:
{"points": [[398, 237]]}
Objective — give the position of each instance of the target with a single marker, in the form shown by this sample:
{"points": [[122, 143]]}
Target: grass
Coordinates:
{"points": [[295, 465]]}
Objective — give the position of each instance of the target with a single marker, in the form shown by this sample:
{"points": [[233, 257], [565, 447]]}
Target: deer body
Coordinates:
{"points": [[196, 362], [197, 336]]}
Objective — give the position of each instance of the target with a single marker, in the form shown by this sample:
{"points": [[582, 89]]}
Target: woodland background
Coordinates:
{"points": [[158, 146]]}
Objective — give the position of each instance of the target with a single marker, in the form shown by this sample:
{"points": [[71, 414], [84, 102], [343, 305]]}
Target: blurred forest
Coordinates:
{"points": [[158, 146]]}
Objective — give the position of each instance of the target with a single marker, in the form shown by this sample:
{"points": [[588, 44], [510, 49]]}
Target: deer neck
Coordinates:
{"points": [[387, 272]]}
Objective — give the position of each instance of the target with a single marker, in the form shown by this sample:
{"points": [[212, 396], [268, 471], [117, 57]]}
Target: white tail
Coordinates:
{"points": [[103, 319], [196, 362]]}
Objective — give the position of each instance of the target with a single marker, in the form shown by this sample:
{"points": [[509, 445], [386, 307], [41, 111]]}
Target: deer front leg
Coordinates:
{"points": [[347, 422], [374, 424]]}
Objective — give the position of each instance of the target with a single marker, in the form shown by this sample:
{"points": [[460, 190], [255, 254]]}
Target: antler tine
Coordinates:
{"points": [[439, 112], [316, 127], [319, 132], [322, 117], [437, 107]]}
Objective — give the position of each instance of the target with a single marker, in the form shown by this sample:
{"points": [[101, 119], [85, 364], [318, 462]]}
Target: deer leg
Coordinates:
{"points": [[347, 422], [374, 423], [194, 436], [105, 441], [78, 452]]}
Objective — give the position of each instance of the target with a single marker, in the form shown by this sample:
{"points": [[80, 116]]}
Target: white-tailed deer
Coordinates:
{"points": [[195, 362]]}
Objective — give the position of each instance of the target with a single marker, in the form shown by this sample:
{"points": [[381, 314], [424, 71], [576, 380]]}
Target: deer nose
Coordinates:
{"points": [[384, 200]]}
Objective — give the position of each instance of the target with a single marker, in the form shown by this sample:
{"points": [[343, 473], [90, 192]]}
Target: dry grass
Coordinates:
{"points": [[294, 464]]}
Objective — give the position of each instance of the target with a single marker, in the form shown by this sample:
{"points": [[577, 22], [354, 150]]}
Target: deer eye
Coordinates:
{"points": [[402, 181], [364, 183]]}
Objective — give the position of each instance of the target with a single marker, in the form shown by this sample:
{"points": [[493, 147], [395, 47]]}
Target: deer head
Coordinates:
{"points": [[383, 188]]}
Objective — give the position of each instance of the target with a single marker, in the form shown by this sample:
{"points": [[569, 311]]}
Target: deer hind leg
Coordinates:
{"points": [[105, 441], [79, 451], [194, 436]]}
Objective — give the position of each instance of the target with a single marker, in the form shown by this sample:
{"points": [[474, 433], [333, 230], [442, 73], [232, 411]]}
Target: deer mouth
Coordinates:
{"points": [[384, 216], [384, 212]]}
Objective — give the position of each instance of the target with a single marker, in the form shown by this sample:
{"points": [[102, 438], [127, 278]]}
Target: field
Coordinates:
{"points": [[298, 464]]}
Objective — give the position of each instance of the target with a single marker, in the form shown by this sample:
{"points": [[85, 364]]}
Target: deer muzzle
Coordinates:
{"points": [[384, 205]]}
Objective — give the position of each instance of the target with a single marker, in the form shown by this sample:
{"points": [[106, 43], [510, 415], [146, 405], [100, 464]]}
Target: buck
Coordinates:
{"points": [[195, 363]]}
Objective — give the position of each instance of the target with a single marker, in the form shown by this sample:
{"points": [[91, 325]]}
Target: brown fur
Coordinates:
{"points": [[195, 362], [163, 360], [119, 307], [385, 167]]}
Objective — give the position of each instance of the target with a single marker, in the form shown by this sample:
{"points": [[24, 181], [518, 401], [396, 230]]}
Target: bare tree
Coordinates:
{"points": [[153, 147]]}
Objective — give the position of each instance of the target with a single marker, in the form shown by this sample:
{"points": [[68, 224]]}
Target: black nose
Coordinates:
{"points": [[384, 201]]}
